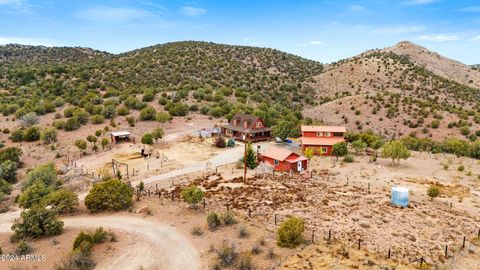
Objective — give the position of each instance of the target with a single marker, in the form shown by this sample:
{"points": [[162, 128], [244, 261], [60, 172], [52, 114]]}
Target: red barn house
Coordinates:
{"points": [[284, 160], [249, 125], [322, 138]]}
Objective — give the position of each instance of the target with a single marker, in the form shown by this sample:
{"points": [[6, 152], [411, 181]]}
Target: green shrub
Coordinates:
{"points": [[148, 114], [243, 232], [290, 232], [461, 168], [31, 134], [5, 187], [8, 171], [435, 124], [82, 237], [465, 131], [349, 158], [71, 124], [229, 219], [147, 138], [192, 195], [433, 191], [112, 195], [23, 248], [35, 222], [245, 262], [49, 135], [123, 110], [98, 119], [34, 194], [45, 173], [197, 231], [17, 135], [227, 254], [213, 221], [162, 117], [62, 201]]}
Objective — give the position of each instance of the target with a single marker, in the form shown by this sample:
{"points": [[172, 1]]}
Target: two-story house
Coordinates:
{"points": [[322, 138], [248, 125]]}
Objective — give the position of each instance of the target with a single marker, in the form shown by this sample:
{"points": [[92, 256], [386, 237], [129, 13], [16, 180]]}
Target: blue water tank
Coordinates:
{"points": [[400, 196]]}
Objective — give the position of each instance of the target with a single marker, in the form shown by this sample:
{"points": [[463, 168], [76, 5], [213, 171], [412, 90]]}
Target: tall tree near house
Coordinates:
{"points": [[339, 149], [251, 157], [396, 151], [375, 145], [308, 153], [157, 134], [283, 130], [359, 145], [192, 195]]}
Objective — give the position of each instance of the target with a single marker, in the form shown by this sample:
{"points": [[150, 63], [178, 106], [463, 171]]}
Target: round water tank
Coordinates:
{"points": [[400, 196]]}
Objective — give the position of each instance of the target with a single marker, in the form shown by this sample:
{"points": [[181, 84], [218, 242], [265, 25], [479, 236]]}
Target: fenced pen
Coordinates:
{"points": [[271, 215]]}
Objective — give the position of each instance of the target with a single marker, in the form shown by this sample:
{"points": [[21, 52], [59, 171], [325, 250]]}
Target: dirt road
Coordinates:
{"points": [[159, 247]]}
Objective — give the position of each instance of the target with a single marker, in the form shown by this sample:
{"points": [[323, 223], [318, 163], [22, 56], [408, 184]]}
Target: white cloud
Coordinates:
{"points": [[112, 14], [16, 6], [419, 2], [192, 11], [356, 7], [26, 41], [315, 42], [439, 37], [470, 9], [400, 29], [310, 43], [476, 38], [11, 2]]}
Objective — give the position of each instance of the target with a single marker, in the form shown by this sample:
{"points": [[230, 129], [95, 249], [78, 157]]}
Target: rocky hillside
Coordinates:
{"points": [[37, 55], [394, 95], [214, 79], [437, 63]]}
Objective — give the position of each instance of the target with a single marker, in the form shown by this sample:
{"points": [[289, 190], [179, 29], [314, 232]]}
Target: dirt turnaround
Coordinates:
{"points": [[158, 246]]}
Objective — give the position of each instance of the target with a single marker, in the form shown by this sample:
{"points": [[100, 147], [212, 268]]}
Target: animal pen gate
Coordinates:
{"points": [[116, 167]]}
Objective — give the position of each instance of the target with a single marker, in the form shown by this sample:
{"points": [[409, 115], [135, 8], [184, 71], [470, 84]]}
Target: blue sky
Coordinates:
{"points": [[321, 30]]}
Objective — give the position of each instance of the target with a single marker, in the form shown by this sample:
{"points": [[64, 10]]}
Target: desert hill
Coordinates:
{"points": [[394, 95], [36, 55], [437, 63], [215, 79]]}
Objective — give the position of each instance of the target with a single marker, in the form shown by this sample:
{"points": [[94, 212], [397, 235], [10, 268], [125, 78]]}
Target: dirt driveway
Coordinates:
{"points": [[229, 156], [159, 246]]}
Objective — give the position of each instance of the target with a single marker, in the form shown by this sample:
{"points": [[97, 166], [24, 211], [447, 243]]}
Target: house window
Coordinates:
{"points": [[276, 162], [327, 134], [319, 134], [324, 150], [259, 124], [235, 122], [245, 124]]}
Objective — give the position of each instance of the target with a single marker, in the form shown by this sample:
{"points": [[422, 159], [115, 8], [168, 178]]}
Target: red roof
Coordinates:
{"points": [[324, 128], [321, 141], [282, 154]]}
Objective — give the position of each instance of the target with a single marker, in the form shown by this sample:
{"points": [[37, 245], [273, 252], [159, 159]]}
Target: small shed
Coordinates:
{"points": [[120, 136], [284, 160]]}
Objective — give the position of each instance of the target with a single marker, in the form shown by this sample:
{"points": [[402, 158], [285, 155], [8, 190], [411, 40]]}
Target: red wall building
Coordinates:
{"points": [[322, 138], [284, 160]]}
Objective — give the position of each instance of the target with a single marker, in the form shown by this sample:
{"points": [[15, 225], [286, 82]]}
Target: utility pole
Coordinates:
{"points": [[245, 138]]}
